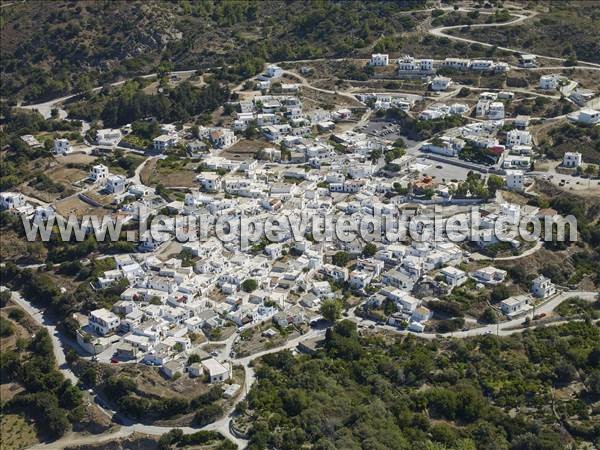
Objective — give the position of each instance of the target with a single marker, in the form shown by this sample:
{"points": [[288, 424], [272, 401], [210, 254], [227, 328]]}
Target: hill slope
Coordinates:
{"points": [[50, 48]]}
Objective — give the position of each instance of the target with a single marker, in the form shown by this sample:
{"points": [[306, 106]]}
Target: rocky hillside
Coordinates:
{"points": [[51, 48]]}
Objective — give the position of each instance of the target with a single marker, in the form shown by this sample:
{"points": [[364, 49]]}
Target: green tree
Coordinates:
{"points": [[489, 316], [208, 414], [249, 285], [369, 250], [6, 327], [331, 310], [499, 293], [341, 259], [495, 182]]}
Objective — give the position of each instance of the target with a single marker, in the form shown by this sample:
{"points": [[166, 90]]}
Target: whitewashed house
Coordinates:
{"points": [[515, 180], [108, 137], [549, 82], [440, 83], [518, 137], [587, 116], [454, 277], [98, 172], [496, 111], [543, 287], [456, 63], [481, 64], [274, 71], [379, 59], [103, 321], [11, 200], [516, 305], [164, 142], [572, 159], [61, 146], [222, 138], [115, 184], [216, 371]]}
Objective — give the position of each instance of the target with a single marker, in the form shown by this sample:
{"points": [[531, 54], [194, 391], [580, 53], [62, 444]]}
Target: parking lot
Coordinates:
{"points": [[441, 171], [386, 130]]}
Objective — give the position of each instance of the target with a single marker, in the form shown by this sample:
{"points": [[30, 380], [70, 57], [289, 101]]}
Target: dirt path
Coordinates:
{"points": [[519, 19]]}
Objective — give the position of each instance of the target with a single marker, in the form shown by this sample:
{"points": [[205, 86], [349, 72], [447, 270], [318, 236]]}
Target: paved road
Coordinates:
{"points": [[223, 425], [519, 18], [135, 179], [502, 328], [538, 245], [58, 339]]}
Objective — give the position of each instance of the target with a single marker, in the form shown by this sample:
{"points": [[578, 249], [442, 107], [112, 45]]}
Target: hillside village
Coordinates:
{"points": [[320, 162], [287, 143]]}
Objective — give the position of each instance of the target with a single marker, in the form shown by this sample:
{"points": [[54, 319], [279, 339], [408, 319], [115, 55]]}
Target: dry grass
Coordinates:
{"points": [[147, 171], [9, 390], [514, 197], [151, 174], [74, 205], [66, 175], [254, 342], [16, 432], [152, 383], [12, 247], [44, 196], [329, 99], [174, 178], [244, 149], [76, 158]]}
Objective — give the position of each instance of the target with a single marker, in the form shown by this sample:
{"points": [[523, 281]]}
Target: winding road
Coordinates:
{"points": [[60, 342], [519, 18], [223, 425]]}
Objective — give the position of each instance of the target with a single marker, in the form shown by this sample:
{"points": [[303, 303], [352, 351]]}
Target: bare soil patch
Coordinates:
{"points": [[244, 149]]}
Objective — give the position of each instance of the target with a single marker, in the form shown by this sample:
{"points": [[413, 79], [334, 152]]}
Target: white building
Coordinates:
{"points": [[572, 159], [440, 83], [515, 305], [489, 275], [172, 368], [528, 60], [421, 314], [115, 184], [31, 141], [445, 145], [581, 96], [456, 63], [61, 146], [496, 111], [379, 59], [518, 137], [482, 108], [521, 121], [481, 64], [98, 172], [103, 321], [108, 137], [164, 142], [543, 287], [410, 64], [216, 371], [222, 138], [515, 180], [549, 82], [274, 71], [11, 200], [586, 116], [210, 181], [454, 277]]}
